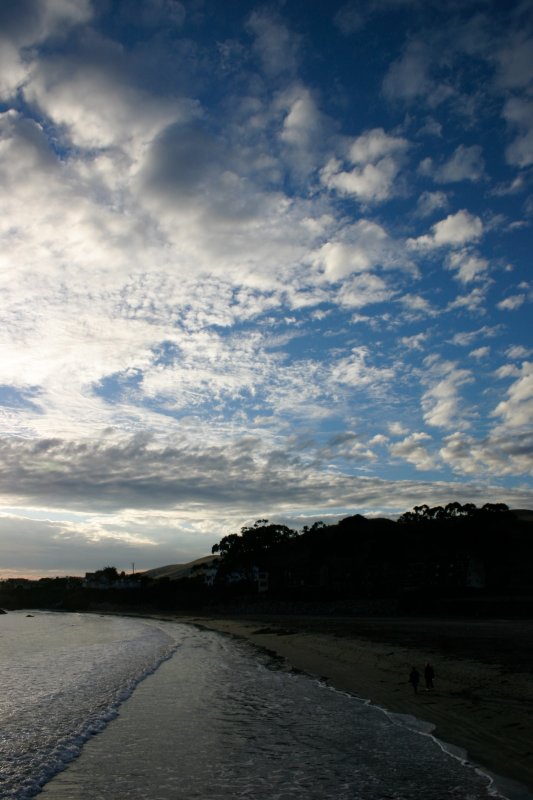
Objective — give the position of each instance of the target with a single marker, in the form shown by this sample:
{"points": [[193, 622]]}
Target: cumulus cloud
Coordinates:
{"points": [[364, 290], [512, 302], [353, 370], [371, 183], [431, 127], [429, 202], [412, 450], [515, 59], [518, 351], [374, 145], [348, 446], [480, 353], [416, 304], [516, 411], [275, 45], [465, 164], [416, 342], [441, 402], [457, 229], [27, 23], [454, 231], [378, 158], [397, 428], [302, 122], [494, 455], [357, 248], [465, 338], [72, 90], [408, 78], [507, 371], [474, 301], [469, 266], [518, 112]]}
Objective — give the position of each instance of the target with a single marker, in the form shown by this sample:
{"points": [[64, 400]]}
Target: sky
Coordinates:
{"points": [[258, 260]]}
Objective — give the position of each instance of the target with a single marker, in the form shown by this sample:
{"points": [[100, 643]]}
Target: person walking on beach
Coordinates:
{"points": [[414, 679], [429, 674]]}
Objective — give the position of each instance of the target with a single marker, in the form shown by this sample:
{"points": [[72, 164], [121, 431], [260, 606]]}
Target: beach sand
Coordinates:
{"points": [[483, 696]]}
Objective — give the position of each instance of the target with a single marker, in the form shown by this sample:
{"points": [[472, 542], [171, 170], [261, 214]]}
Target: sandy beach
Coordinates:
{"points": [[482, 699]]}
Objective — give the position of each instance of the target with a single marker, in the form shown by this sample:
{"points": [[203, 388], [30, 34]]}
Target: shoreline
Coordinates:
{"points": [[481, 705]]}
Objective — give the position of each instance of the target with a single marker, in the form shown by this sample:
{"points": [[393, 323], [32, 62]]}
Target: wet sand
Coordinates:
{"points": [[482, 699]]}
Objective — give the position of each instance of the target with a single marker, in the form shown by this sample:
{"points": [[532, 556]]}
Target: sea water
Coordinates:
{"points": [[115, 708]]}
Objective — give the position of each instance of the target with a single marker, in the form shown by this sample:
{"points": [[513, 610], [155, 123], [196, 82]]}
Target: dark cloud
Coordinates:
{"points": [[183, 159], [20, 19], [138, 473], [25, 22]]}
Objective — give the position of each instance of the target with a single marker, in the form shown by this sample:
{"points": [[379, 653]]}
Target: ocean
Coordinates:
{"points": [[119, 707]]}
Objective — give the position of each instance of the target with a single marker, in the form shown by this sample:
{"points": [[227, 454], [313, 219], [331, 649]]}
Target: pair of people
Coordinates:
{"points": [[414, 677]]}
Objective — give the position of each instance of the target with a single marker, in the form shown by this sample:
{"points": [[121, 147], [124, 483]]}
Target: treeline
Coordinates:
{"points": [[426, 560], [443, 559]]}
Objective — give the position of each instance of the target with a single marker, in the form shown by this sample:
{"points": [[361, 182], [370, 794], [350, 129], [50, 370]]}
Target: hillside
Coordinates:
{"points": [[177, 571]]}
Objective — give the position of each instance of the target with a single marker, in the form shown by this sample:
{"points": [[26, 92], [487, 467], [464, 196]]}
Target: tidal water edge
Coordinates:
{"points": [[111, 707]]}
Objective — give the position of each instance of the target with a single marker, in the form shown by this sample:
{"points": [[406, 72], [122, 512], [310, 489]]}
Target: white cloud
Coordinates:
{"points": [[359, 247], [507, 371], [469, 266], [453, 231], [512, 302], [348, 446], [515, 61], [371, 183], [416, 342], [303, 120], [416, 303], [408, 78], [457, 229], [518, 351], [304, 133], [275, 45], [518, 112], [465, 338], [397, 428], [495, 455], [363, 290], [518, 184], [75, 90], [480, 353], [379, 439], [466, 164], [429, 202], [474, 301], [431, 127], [353, 370], [517, 410], [373, 145], [13, 70], [441, 403], [378, 158], [25, 24], [412, 450]]}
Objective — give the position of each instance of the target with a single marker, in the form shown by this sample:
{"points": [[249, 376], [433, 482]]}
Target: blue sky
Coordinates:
{"points": [[258, 260]]}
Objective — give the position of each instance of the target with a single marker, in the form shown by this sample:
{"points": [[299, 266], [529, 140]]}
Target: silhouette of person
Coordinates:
{"points": [[429, 674], [414, 679]]}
